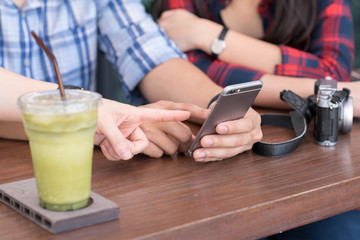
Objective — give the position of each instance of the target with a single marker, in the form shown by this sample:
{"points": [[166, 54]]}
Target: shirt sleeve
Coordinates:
{"points": [[181, 4], [331, 51], [132, 40], [221, 73]]}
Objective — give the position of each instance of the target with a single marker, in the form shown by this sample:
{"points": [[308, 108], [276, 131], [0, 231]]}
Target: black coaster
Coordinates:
{"points": [[22, 197]]}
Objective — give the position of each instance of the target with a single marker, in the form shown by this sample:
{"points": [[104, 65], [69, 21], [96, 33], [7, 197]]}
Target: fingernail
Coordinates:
{"points": [[200, 154], [127, 155], [208, 142], [223, 129], [200, 160]]}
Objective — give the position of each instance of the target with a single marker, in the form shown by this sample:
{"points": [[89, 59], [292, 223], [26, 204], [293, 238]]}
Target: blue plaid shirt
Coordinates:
{"points": [[73, 30]]}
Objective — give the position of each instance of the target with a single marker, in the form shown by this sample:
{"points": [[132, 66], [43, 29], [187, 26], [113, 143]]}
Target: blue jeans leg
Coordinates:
{"points": [[345, 226]]}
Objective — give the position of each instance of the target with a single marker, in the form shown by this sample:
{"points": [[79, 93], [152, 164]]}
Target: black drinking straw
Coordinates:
{"points": [[53, 61]]}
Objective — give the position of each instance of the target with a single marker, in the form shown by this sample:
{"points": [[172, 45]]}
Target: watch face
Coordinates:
{"points": [[218, 46]]}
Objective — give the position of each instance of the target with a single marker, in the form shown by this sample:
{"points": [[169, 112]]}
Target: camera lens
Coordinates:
{"points": [[346, 115]]}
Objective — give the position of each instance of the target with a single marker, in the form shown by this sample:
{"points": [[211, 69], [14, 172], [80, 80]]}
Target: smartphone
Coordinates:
{"points": [[233, 103]]}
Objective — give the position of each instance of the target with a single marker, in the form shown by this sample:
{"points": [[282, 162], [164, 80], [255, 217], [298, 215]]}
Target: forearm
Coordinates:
{"points": [[240, 49], [12, 130], [179, 81], [269, 96], [12, 86]]}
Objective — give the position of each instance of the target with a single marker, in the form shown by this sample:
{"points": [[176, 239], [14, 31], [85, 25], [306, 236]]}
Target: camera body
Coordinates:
{"points": [[333, 112]]}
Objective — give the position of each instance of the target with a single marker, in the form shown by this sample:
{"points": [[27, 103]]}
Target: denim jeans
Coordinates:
{"points": [[345, 226]]}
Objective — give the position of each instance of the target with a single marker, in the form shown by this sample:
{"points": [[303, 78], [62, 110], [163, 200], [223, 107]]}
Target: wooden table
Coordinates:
{"points": [[244, 197]]}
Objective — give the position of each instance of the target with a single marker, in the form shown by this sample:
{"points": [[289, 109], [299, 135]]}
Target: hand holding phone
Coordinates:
{"points": [[233, 103]]}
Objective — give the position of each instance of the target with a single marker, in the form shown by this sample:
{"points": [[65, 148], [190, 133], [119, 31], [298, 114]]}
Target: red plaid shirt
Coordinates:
{"points": [[331, 51]]}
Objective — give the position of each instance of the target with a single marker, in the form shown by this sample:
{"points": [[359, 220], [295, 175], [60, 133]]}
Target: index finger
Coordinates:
{"points": [[197, 114], [160, 115]]}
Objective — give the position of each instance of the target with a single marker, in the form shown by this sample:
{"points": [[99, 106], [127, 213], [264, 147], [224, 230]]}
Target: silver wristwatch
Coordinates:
{"points": [[219, 44]]}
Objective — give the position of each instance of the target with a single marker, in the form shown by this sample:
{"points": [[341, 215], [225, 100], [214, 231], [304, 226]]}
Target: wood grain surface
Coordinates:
{"points": [[245, 197]]}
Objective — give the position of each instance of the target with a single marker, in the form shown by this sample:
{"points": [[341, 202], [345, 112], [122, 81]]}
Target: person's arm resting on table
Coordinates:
{"points": [[118, 131]]}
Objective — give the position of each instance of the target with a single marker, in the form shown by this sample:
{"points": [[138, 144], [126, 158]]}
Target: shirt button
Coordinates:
{"points": [[23, 14], [27, 62]]}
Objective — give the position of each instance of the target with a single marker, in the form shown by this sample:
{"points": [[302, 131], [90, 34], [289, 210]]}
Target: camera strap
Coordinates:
{"points": [[297, 120]]}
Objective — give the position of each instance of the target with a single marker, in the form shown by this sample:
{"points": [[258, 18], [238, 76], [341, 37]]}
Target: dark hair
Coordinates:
{"points": [[293, 22]]}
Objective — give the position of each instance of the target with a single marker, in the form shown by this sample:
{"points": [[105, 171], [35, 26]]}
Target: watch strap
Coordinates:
{"points": [[223, 33]]}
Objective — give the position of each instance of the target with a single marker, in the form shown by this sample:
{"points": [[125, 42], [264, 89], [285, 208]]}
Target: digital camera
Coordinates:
{"points": [[333, 112]]}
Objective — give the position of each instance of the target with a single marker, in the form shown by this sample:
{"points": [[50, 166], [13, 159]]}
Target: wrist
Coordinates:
{"points": [[209, 31]]}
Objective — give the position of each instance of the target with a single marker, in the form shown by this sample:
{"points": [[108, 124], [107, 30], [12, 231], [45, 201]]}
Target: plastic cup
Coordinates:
{"points": [[61, 137]]}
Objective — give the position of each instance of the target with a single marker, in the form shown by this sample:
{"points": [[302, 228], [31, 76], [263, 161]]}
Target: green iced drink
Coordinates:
{"points": [[61, 137]]}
